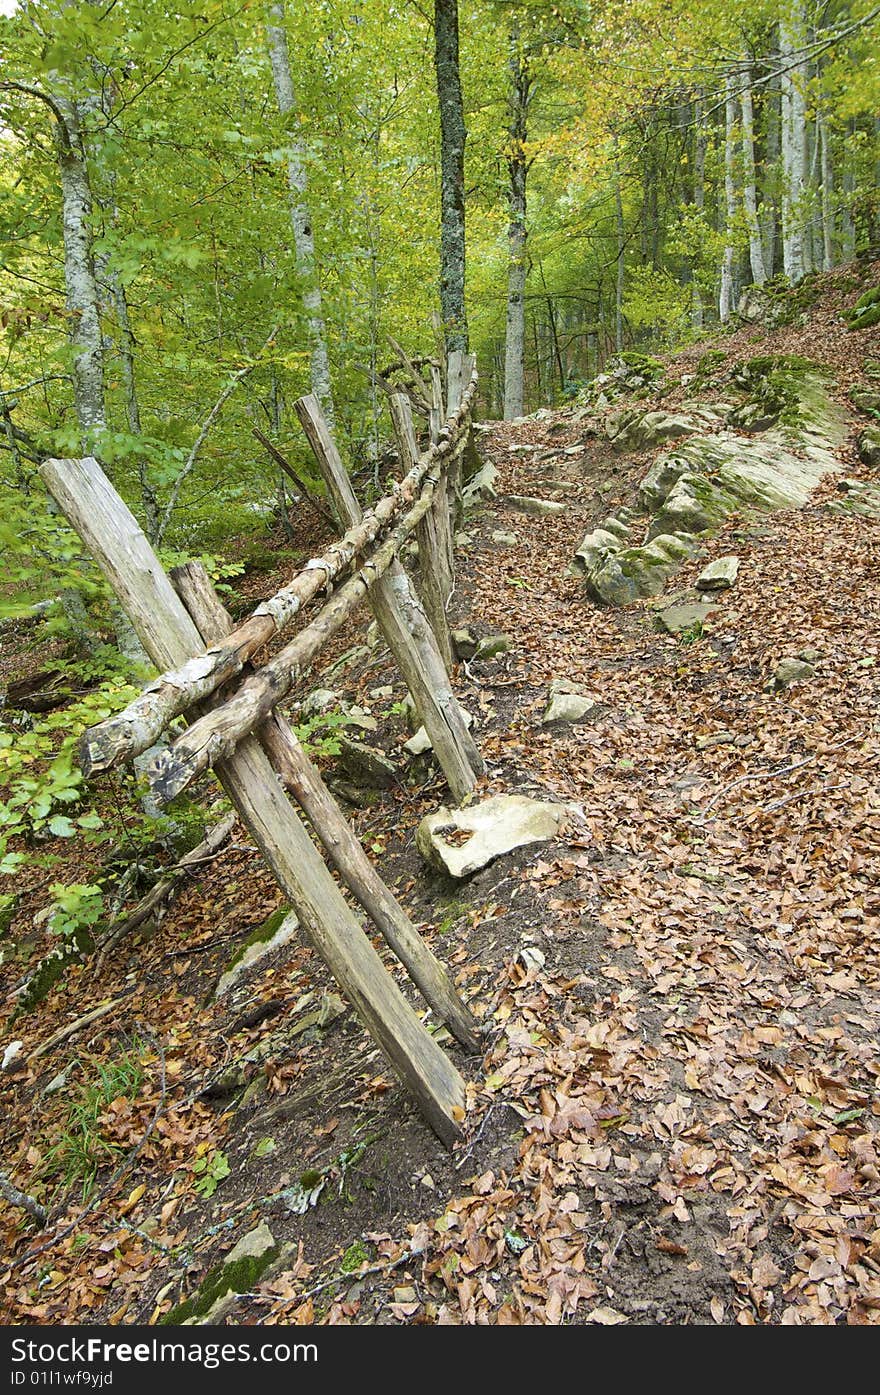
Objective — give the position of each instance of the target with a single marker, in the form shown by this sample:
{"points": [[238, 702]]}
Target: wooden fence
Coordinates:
{"points": [[250, 746]]}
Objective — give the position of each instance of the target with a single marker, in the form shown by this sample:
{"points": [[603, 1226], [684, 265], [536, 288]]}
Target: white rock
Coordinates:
{"points": [[491, 828]]}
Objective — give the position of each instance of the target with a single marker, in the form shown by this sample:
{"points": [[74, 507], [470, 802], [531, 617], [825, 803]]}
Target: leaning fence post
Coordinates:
{"points": [[435, 576], [169, 636], [404, 624], [304, 781]]}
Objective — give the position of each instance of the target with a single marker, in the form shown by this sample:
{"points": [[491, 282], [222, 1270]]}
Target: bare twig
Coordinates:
{"points": [[324, 514], [64, 1032], [23, 1201]]}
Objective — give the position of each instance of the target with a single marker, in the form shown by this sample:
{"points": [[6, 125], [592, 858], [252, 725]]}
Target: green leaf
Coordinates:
{"points": [[61, 826]]}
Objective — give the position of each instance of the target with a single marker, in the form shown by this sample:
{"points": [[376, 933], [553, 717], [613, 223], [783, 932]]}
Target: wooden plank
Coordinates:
{"points": [[407, 632], [304, 781], [169, 635]]}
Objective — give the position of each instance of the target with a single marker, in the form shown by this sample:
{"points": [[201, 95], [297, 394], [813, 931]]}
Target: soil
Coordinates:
{"points": [[675, 1117]]}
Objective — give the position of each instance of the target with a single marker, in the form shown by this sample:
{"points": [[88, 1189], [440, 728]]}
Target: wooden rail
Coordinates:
{"points": [[252, 749]]}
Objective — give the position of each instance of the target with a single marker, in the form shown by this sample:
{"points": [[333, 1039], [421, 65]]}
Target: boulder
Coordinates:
{"points": [[365, 765], [693, 505], [569, 703], [633, 573], [537, 508], [594, 548], [491, 646], [504, 539], [464, 644], [869, 446], [420, 743], [718, 575], [319, 700], [461, 842], [481, 485], [865, 399]]}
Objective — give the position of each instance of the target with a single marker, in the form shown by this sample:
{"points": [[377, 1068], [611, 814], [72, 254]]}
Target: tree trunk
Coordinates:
{"points": [[750, 193], [452, 141], [699, 205], [827, 182], [792, 37], [725, 299], [79, 273], [303, 236], [772, 151], [514, 344]]}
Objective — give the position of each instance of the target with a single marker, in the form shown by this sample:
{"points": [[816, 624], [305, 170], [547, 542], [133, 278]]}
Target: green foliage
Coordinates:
{"points": [[318, 733], [210, 1170], [76, 907], [41, 787]]}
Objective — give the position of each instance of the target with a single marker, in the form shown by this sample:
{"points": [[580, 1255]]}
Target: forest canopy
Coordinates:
{"points": [[211, 207]]}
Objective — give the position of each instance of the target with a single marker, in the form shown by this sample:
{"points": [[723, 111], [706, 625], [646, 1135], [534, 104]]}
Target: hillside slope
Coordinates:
{"points": [[676, 1118]]}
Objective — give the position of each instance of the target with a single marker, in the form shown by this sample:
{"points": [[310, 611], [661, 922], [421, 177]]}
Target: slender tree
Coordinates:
{"points": [[519, 94], [453, 135], [300, 217]]}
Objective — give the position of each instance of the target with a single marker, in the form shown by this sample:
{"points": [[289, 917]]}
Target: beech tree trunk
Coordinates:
{"points": [[699, 205], [517, 165], [827, 183], [792, 37], [452, 141], [750, 192], [83, 303], [303, 235], [725, 299]]}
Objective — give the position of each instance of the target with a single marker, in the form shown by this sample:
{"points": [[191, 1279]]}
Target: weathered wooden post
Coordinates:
{"points": [[169, 636], [435, 578], [304, 782], [404, 624]]}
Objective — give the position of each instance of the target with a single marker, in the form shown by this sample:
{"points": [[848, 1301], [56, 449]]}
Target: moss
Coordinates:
{"points": [[643, 363], [235, 1276], [54, 967], [356, 1255], [261, 935], [866, 318], [870, 297], [8, 906]]}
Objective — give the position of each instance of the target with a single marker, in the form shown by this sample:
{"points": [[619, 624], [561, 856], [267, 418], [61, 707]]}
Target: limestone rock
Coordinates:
{"points": [[537, 508], [718, 575], [489, 829], [568, 703], [464, 644], [365, 765], [319, 700], [869, 446], [504, 539], [491, 646], [420, 743], [866, 399], [679, 619], [633, 573], [277, 931], [594, 548], [480, 485], [790, 671]]}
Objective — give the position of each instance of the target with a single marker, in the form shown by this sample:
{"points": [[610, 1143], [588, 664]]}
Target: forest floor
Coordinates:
{"points": [[676, 1117]]}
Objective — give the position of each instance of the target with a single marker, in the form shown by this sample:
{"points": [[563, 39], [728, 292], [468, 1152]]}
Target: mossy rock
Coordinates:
{"points": [[242, 1269], [864, 319], [53, 968], [261, 935]]}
